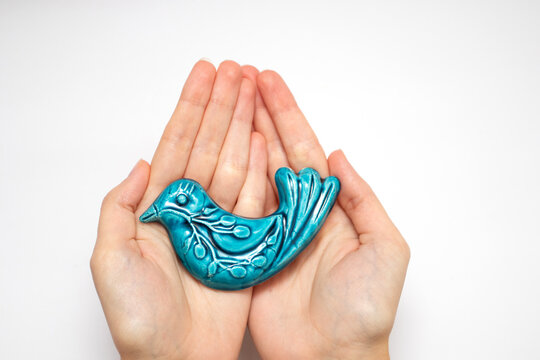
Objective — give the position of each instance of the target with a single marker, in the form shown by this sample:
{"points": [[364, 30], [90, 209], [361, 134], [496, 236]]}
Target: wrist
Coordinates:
{"points": [[140, 355], [378, 351]]}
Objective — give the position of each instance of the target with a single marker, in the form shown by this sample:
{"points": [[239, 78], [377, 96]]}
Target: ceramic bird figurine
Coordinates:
{"points": [[230, 252]]}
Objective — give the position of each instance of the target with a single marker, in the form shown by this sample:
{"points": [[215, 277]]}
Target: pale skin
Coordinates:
{"points": [[231, 130]]}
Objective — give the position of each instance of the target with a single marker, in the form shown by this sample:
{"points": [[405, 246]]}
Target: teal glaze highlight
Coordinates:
{"points": [[229, 252]]}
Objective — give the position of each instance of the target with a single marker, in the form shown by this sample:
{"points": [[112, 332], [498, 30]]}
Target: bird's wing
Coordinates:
{"points": [[245, 236], [233, 234]]}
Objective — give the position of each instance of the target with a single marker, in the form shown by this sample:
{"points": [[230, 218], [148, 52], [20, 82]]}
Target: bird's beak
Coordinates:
{"points": [[149, 215]]}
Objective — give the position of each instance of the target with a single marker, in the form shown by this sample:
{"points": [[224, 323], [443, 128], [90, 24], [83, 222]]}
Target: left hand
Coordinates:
{"points": [[338, 298]]}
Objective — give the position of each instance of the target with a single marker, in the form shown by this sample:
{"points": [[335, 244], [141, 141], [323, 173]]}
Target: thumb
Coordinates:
{"points": [[117, 222], [357, 198]]}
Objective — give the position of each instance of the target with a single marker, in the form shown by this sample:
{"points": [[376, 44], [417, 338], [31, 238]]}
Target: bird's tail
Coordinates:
{"points": [[305, 201]]}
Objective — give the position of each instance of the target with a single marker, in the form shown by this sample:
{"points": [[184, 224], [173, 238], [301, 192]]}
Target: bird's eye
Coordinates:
{"points": [[182, 199]]}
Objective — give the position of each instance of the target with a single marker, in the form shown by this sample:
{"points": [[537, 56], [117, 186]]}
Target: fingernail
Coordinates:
{"points": [[207, 60], [339, 150], [345, 157], [341, 154], [135, 167]]}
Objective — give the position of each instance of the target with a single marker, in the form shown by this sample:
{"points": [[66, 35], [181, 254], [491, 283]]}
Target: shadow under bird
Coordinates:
{"points": [[229, 252]]}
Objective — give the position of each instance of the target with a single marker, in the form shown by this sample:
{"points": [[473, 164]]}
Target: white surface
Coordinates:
{"points": [[436, 103]]}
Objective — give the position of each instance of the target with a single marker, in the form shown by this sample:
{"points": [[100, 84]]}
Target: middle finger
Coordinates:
{"points": [[204, 155]]}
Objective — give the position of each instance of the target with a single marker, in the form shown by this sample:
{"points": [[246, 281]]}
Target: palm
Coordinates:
{"points": [[341, 293], [178, 306], [139, 316], [331, 295], [154, 307]]}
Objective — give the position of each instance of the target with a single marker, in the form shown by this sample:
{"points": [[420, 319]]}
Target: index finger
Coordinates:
{"points": [[299, 140], [172, 154]]}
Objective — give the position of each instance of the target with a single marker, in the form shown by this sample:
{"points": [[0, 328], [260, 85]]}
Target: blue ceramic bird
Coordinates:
{"points": [[229, 252]]}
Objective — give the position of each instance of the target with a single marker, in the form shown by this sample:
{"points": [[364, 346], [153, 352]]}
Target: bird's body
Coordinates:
{"points": [[230, 252]]}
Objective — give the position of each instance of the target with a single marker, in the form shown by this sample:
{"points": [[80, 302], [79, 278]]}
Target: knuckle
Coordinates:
{"points": [[405, 249], [254, 201], [303, 150], [176, 139], [361, 199], [109, 198], [241, 119], [224, 200], [102, 260], [222, 103], [353, 203], [205, 151], [95, 262], [195, 101], [248, 88], [250, 206], [400, 247], [234, 168]]}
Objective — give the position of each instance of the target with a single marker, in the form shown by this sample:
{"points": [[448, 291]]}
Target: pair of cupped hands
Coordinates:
{"points": [[231, 130]]}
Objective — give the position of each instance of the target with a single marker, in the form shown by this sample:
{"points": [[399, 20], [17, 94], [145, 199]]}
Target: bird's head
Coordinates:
{"points": [[180, 201]]}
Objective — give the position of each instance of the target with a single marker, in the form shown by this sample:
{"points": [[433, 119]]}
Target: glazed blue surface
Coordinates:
{"points": [[230, 252]]}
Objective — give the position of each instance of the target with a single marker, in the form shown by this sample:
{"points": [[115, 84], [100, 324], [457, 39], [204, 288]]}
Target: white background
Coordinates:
{"points": [[436, 103]]}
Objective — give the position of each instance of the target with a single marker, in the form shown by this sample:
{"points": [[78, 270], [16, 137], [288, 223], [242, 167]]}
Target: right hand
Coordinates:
{"points": [[154, 307]]}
